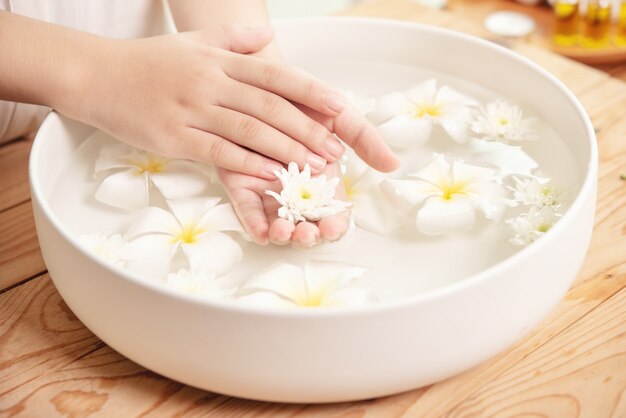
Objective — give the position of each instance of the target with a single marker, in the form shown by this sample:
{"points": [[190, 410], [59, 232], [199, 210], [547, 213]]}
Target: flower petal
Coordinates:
{"points": [[112, 155], [443, 216], [508, 159], [153, 220], [180, 179], [124, 189], [404, 195], [266, 299], [190, 210], [402, 131], [151, 255], [329, 276], [284, 280], [213, 252], [437, 171], [351, 296], [423, 93], [372, 212], [221, 218], [388, 106], [488, 197]]}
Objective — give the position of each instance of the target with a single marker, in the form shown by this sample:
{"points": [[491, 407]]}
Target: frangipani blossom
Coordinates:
{"points": [[536, 191], [112, 248], [128, 174], [370, 208], [319, 284], [306, 198], [503, 122], [530, 226], [361, 103], [194, 229], [406, 119], [450, 195], [206, 285]]}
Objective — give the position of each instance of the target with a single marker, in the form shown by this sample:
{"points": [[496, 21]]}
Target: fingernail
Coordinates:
{"points": [[335, 102], [316, 162], [270, 169], [334, 148]]}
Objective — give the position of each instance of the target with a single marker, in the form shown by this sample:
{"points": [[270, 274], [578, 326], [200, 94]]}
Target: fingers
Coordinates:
{"points": [[356, 131], [198, 145], [239, 39], [251, 133], [285, 117], [288, 82], [306, 234]]}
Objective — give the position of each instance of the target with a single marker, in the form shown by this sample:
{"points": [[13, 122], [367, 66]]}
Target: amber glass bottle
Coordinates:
{"points": [[620, 32], [566, 27], [597, 28]]}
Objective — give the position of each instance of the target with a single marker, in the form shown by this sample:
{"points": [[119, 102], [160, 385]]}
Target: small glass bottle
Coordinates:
{"points": [[620, 33], [597, 24], [566, 25]]}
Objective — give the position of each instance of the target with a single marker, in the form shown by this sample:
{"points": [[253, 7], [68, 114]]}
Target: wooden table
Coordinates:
{"points": [[573, 365]]}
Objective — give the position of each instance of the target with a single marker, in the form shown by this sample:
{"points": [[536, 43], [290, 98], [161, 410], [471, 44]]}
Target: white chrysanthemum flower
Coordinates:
{"points": [[535, 191], [361, 103], [306, 198], [405, 119], [319, 284], [128, 174], [195, 229], [503, 122], [530, 226], [450, 194], [112, 248], [370, 208], [205, 284]]}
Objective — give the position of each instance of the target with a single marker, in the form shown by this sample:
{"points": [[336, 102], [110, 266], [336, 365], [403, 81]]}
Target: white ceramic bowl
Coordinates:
{"points": [[336, 355]]}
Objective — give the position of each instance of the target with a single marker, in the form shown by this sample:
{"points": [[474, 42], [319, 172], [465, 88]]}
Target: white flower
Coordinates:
{"points": [[319, 284], [370, 208], [408, 118], [536, 191], [193, 230], [361, 103], [450, 193], [206, 285], [500, 121], [530, 226], [128, 174], [112, 248], [306, 198]]}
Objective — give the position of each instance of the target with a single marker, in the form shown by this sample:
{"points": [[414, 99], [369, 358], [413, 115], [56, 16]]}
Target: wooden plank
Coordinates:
{"points": [[20, 257], [14, 173]]}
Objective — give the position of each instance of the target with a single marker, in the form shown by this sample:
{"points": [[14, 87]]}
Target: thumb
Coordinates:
{"points": [[235, 38]]}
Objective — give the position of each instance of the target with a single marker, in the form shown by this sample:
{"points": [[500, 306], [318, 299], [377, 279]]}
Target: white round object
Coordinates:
{"points": [[511, 24], [332, 355]]}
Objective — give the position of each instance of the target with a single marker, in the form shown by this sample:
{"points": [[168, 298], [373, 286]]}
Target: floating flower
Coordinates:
{"points": [[195, 229], [503, 122], [319, 284], [112, 248], [361, 103], [408, 118], [206, 285], [450, 194], [536, 191], [128, 174], [306, 198], [530, 226], [370, 208]]}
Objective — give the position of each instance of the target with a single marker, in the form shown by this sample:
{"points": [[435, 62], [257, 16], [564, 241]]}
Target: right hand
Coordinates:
{"points": [[196, 96]]}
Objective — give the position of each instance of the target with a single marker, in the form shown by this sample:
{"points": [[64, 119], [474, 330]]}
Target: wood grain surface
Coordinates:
{"points": [[572, 365]]}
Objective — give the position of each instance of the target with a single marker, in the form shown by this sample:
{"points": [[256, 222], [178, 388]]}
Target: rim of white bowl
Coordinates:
{"points": [[490, 273]]}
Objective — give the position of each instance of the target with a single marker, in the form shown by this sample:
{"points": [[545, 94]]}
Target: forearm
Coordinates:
{"points": [[42, 63]]}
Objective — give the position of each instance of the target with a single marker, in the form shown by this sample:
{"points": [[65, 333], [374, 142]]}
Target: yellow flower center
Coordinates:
{"points": [[503, 121], [449, 190], [188, 235], [427, 110], [348, 185], [305, 194], [544, 227], [311, 300], [153, 165]]}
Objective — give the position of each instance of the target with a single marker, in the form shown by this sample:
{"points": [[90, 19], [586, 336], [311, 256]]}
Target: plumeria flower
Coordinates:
{"points": [[206, 285], [407, 118], [306, 198], [530, 226], [194, 229], [361, 103], [450, 194], [112, 248], [370, 208], [536, 191], [128, 174], [503, 122], [319, 284]]}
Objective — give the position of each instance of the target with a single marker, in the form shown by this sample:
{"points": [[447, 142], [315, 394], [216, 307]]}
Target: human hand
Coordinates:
{"points": [[259, 212], [185, 96]]}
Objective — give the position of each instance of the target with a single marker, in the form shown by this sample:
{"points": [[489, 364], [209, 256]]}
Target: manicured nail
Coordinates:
{"points": [[335, 102], [334, 148], [316, 162]]}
